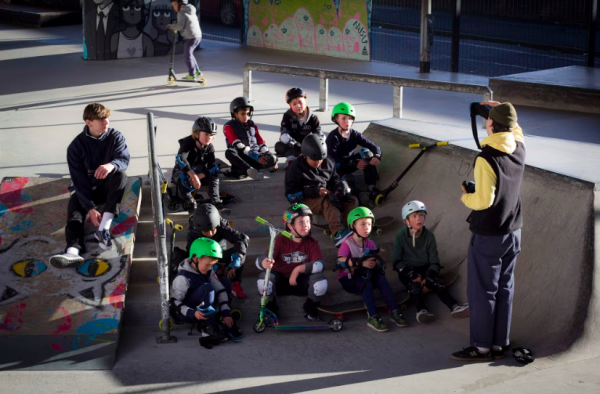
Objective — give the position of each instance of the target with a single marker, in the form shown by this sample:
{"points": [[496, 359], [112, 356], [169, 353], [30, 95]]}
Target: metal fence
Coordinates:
{"points": [[491, 37], [221, 20]]}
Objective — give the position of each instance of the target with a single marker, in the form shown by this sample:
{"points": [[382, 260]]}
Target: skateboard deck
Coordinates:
{"points": [[338, 310], [377, 228]]}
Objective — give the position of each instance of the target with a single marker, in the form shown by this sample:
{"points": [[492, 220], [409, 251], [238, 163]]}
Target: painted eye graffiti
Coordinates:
{"points": [[156, 14], [167, 14], [126, 8], [137, 8], [29, 268], [93, 268]]}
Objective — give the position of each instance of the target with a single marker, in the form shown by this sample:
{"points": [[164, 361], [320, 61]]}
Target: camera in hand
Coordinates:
{"points": [[469, 186]]}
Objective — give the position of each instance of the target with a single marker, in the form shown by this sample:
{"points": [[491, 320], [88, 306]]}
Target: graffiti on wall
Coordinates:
{"points": [[122, 29], [337, 28]]}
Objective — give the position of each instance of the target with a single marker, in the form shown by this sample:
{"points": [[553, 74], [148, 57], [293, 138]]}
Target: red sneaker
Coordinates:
{"points": [[237, 291]]}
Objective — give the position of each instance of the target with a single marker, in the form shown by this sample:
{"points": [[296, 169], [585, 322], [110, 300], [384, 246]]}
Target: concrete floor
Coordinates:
{"points": [[45, 86]]}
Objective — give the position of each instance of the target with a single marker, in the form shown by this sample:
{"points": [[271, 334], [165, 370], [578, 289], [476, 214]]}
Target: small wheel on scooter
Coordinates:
{"points": [[202, 81], [170, 81], [379, 200], [336, 324], [259, 327], [171, 324], [236, 315]]}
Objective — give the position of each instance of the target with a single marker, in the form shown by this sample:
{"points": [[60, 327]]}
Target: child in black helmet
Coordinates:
{"points": [[195, 164], [206, 222], [313, 180], [341, 146], [246, 150], [296, 124]]}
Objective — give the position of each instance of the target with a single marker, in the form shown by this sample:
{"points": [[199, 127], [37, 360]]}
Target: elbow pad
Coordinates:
{"points": [[237, 144], [214, 170], [258, 261], [295, 198], [342, 264], [263, 148], [287, 139], [180, 164]]}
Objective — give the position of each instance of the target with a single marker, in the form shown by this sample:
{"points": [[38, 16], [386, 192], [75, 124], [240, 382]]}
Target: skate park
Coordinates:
{"points": [[560, 325]]}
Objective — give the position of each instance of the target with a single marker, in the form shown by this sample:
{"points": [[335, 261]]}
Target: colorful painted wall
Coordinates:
{"points": [[337, 28], [121, 29]]}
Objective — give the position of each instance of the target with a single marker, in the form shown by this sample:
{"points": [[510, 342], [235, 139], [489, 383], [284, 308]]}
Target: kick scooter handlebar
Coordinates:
{"points": [[442, 143]]}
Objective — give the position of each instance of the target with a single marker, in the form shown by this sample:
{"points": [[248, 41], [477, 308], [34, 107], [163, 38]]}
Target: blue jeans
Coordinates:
{"points": [[368, 286], [490, 287], [188, 53]]}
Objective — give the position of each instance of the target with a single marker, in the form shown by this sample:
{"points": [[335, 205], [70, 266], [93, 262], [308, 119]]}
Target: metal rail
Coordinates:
{"points": [[160, 234], [399, 83]]}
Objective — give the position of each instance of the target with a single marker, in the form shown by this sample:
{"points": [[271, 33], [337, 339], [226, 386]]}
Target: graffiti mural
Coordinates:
{"points": [[122, 29], [337, 28], [37, 298]]}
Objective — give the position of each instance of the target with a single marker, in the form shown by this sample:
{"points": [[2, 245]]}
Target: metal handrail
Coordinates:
{"points": [[160, 233], [397, 82]]}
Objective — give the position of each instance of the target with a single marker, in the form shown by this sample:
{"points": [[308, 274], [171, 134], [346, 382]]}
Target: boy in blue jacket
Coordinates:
{"points": [[97, 160], [341, 144]]}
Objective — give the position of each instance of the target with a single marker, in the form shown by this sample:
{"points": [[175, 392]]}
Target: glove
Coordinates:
{"points": [[236, 261], [431, 275], [251, 154]]}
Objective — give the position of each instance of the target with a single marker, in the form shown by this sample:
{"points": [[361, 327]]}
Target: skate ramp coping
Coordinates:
{"points": [[556, 302], [53, 318]]}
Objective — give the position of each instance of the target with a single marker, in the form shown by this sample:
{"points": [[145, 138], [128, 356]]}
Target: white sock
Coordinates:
{"points": [[72, 250], [107, 218], [483, 350]]}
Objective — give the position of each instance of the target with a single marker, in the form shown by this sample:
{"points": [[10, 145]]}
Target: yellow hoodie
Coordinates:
{"points": [[485, 177]]}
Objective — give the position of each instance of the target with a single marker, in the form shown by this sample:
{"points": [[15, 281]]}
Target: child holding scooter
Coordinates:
{"points": [[361, 270]]}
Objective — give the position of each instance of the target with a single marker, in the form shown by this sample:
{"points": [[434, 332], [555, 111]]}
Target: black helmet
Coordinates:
{"points": [[205, 124], [293, 93], [238, 103], [206, 217], [294, 211], [314, 147]]}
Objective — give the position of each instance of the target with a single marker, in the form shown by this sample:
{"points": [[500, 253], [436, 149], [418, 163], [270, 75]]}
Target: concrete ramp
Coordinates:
{"points": [[54, 318], [556, 304]]}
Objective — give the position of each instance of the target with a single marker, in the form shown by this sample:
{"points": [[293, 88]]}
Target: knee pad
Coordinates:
{"points": [[261, 285], [281, 148], [414, 288], [319, 288], [271, 159]]}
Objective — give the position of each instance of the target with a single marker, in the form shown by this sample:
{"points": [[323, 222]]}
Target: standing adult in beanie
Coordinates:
{"points": [[189, 27], [495, 224]]}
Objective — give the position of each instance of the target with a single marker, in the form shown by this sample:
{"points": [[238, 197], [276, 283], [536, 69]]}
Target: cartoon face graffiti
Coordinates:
{"points": [[334, 40], [254, 37], [132, 12], [25, 272], [306, 29], [287, 36], [161, 17]]}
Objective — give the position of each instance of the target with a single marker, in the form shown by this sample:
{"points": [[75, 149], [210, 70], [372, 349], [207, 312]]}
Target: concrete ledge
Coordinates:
{"points": [[571, 88]]}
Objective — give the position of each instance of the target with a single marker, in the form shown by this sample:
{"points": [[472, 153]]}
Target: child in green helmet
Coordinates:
{"points": [[361, 270], [341, 147], [198, 295]]}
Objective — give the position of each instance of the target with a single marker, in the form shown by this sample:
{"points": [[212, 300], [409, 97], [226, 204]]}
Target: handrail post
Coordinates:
{"points": [[160, 236], [247, 82], [323, 91], [398, 92]]}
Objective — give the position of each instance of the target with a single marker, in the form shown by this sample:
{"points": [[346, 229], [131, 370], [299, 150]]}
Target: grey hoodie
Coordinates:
{"points": [[187, 23], [181, 286]]}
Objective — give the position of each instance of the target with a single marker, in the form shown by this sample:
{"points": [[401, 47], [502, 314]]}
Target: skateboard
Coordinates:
{"points": [[377, 228], [339, 310]]}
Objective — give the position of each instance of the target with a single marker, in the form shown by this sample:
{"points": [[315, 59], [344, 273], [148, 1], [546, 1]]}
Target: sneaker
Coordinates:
{"points": [[66, 260], [234, 333], [234, 175], [103, 237], [399, 319], [198, 73], [273, 169], [471, 353], [377, 324], [459, 311], [237, 291], [189, 78], [497, 354], [340, 236], [312, 317], [424, 316], [254, 174]]}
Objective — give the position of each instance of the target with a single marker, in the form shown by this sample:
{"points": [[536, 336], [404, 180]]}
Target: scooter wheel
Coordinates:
{"points": [[379, 200], [170, 81], [202, 81], [171, 324], [236, 315], [336, 324], [259, 327]]}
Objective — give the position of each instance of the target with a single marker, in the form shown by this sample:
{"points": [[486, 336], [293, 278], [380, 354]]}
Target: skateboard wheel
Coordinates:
{"points": [[236, 315], [259, 327], [336, 324], [379, 231], [170, 324], [379, 200], [202, 81]]}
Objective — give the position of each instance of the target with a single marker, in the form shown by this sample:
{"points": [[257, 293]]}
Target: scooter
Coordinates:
{"points": [[268, 318], [172, 78]]}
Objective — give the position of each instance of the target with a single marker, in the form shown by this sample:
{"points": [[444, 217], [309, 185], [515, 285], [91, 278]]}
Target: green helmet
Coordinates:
{"points": [[206, 247], [359, 213], [344, 109]]}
